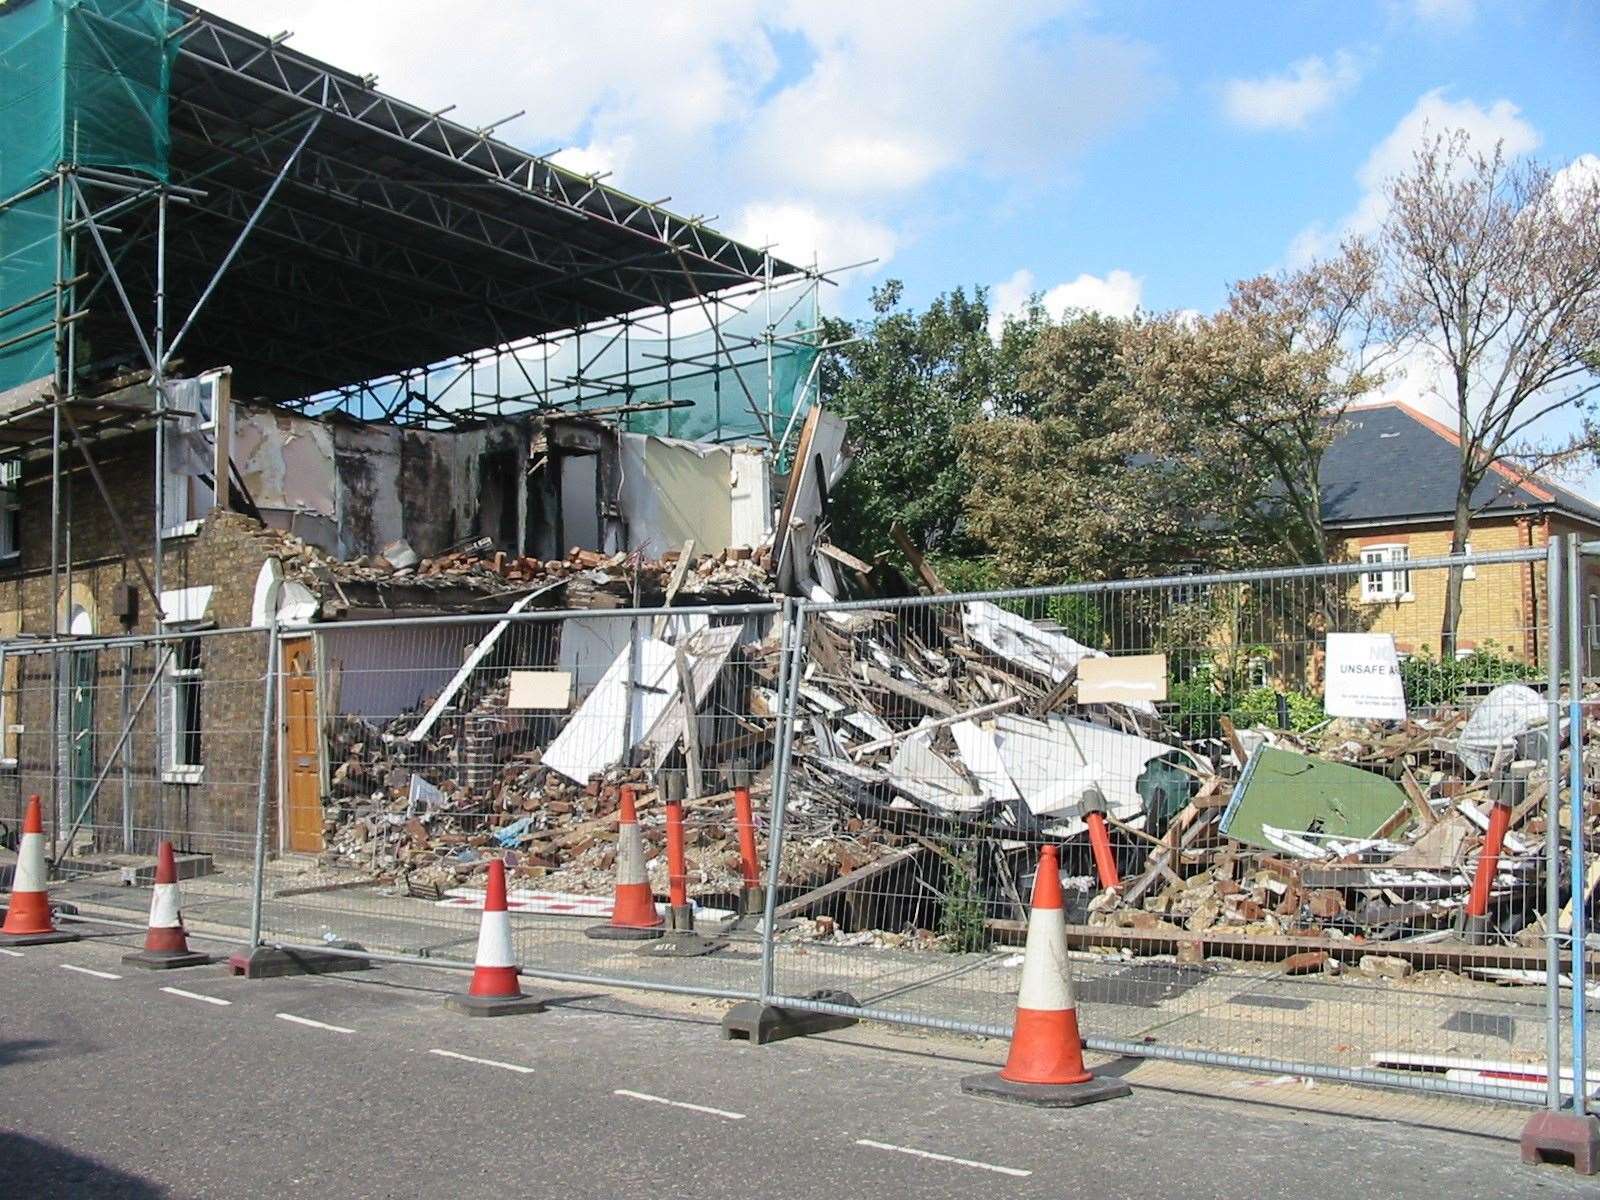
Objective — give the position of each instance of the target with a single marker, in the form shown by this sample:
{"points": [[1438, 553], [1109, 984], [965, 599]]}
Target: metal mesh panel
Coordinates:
{"points": [[453, 742], [1292, 888], [134, 743]]}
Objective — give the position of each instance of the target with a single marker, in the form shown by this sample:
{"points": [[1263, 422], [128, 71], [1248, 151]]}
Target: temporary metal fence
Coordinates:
{"points": [[448, 741], [133, 741], [1214, 950], [343, 785]]}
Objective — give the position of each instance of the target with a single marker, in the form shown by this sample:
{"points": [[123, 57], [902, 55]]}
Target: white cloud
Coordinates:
{"points": [[1433, 114], [1454, 14], [1115, 294], [802, 232], [1574, 181], [828, 124], [1290, 99]]}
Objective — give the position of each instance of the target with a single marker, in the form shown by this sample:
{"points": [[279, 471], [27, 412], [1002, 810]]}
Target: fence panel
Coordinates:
{"points": [[135, 741], [448, 742], [1293, 889]]}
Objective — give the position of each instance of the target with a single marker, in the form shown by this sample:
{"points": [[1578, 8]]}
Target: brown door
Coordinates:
{"points": [[303, 796]]}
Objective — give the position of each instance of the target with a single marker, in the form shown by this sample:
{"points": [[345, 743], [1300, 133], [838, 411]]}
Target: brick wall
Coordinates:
{"points": [[216, 814], [1502, 605]]}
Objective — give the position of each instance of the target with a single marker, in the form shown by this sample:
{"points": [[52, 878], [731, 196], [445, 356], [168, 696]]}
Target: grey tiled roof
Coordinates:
{"points": [[1389, 465]]}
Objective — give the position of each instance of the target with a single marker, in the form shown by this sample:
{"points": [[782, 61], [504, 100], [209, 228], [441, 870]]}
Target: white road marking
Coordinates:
{"points": [[12, 953], [484, 1062], [172, 991], [700, 1108], [1018, 1172], [88, 971], [307, 1021]]}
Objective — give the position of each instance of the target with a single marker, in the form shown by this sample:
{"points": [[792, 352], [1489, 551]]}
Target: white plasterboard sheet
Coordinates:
{"points": [[595, 736], [1052, 762], [540, 690]]}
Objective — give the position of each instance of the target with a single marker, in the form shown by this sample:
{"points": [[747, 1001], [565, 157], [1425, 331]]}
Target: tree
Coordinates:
{"points": [[1097, 475], [1276, 369], [907, 383], [1493, 268]]}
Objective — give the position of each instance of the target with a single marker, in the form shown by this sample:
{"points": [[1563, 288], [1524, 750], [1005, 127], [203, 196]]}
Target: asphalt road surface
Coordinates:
{"points": [[116, 1082]]}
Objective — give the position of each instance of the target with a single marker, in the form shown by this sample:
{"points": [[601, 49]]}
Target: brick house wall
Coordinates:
{"points": [[215, 814]]}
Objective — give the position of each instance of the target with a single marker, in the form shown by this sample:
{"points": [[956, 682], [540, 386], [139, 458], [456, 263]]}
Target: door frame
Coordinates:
{"points": [[285, 644]]}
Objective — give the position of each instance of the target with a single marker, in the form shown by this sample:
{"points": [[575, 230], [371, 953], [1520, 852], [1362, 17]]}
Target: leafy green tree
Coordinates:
{"points": [[907, 384]]}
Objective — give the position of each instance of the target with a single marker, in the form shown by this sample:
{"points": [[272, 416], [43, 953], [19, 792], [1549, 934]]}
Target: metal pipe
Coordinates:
{"points": [[1575, 794], [790, 644], [1486, 558], [548, 614], [1552, 825], [238, 242], [269, 697], [122, 740], [439, 964], [1407, 1081]]}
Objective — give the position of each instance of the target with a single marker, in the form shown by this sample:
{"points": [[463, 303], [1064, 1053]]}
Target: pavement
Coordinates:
{"points": [[115, 1082]]}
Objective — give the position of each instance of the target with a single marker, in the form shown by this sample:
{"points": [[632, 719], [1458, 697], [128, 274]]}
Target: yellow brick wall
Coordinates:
{"points": [[1494, 601]]}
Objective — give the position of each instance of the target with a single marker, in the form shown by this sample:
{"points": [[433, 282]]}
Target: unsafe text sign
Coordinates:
{"points": [[1364, 677]]}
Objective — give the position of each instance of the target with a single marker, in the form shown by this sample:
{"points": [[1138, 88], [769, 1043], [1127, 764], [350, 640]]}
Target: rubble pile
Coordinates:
{"points": [[587, 578], [927, 731]]}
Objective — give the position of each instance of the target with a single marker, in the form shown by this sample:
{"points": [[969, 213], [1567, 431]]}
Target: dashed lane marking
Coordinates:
{"points": [[88, 971], [699, 1108], [310, 1024], [172, 991], [484, 1062], [12, 953], [1017, 1172]]}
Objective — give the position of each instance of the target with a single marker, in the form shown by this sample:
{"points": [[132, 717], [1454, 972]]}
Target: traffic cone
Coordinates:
{"points": [[166, 946], [495, 991], [633, 910], [28, 921], [1045, 1066]]}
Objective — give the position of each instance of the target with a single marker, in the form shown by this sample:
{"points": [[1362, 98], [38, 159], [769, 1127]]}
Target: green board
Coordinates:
{"points": [[1302, 794]]}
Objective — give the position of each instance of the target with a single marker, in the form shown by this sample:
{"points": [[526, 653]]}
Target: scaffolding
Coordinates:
{"points": [[180, 194]]}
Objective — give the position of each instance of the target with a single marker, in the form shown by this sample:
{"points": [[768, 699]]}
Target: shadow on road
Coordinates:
{"points": [[19, 1051], [43, 1171]]}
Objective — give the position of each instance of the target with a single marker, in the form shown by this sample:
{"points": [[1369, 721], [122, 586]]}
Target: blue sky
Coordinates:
{"points": [[1110, 155], [1183, 144]]}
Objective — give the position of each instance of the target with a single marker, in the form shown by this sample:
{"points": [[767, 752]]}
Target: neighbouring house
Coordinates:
{"points": [[1388, 498]]}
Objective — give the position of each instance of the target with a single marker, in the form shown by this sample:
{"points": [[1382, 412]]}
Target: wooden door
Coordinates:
{"points": [[303, 774]]}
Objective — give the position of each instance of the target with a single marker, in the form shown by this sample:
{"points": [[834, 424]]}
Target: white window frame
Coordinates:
{"points": [[10, 509], [1258, 670], [1594, 621], [181, 687], [1384, 587], [186, 499]]}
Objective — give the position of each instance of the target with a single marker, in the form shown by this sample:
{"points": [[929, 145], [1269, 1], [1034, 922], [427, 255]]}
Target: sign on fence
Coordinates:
{"points": [[1364, 677]]}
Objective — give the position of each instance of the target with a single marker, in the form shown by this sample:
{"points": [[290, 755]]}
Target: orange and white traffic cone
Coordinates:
{"points": [[166, 945], [495, 991], [1045, 1066], [28, 921], [633, 909]]}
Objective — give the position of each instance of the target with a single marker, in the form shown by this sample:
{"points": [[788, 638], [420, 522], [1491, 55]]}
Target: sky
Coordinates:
{"points": [[1114, 155]]}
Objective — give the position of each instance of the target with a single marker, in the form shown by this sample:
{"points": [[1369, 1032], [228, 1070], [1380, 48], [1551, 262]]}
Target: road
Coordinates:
{"points": [[116, 1082]]}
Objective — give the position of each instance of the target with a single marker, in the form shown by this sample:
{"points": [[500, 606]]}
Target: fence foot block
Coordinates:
{"points": [[1045, 1095], [155, 960], [269, 962], [1565, 1138], [625, 933], [680, 944], [36, 939], [760, 1023], [494, 1006]]}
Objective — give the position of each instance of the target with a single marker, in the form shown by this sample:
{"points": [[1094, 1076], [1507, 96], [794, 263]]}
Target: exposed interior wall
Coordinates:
{"points": [[352, 489]]}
